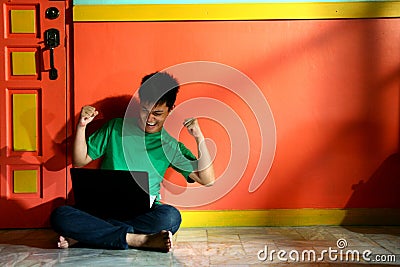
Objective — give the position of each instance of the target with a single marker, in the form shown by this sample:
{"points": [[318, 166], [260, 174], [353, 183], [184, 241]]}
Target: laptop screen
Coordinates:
{"points": [[111, 193]]}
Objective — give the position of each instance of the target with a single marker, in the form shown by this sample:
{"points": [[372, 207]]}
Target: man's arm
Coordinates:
{"points": [[205, 174], [80, 157]]}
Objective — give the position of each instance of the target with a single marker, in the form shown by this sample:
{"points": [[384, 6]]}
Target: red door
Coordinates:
{"points": [[33, 111]]}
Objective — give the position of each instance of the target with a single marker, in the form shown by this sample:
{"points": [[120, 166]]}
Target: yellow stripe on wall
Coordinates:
{"points": [[24, 122], [290, 217], [249, 11]]}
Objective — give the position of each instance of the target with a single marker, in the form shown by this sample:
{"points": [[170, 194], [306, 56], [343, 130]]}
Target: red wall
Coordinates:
{"points": [[332, 86]]}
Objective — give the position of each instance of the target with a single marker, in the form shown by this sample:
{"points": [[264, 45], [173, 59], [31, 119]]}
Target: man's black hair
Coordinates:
{"points": [[159, 88]]}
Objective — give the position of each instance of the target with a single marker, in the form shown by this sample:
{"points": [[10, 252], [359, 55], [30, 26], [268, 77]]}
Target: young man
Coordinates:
{"points": [[143, 144]]}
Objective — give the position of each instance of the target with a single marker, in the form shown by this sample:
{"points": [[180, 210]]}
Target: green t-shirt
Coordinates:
{"points": [[124, 146]]}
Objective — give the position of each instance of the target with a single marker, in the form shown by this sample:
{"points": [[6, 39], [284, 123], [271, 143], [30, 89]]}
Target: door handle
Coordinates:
{"points": [[52, 40]]}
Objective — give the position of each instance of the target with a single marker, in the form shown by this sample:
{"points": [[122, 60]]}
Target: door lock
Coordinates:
{"points": [[52, 40], [52, 13]]}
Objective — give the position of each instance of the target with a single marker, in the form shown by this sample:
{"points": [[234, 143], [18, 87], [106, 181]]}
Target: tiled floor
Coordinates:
{"points": [[218, 247]]}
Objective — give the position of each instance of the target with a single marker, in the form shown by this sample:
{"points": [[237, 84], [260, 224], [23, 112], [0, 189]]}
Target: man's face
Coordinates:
{"points": [[152, 118]]}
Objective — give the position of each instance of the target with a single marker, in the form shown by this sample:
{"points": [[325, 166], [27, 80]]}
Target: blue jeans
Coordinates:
{"points": [[111, 234]]}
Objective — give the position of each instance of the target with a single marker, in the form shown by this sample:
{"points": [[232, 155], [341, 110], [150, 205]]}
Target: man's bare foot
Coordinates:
{"points": [[65, 242], [161, 241], [62, 242]]}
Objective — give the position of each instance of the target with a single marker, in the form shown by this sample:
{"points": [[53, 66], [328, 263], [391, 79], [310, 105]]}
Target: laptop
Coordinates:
{"points": [[111, 194]]}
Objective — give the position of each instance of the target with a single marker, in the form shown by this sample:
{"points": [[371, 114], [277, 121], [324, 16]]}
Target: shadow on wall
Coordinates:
{"points": [[109, 108], [381, 192], [13, 209], [41, 213]]}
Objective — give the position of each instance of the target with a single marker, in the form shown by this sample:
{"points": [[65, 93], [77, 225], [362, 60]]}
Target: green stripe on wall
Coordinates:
{"points": [[249, 11], [290, 217]]}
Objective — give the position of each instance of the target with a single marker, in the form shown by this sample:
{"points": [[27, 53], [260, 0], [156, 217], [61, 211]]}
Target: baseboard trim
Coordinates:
{"points": [[290, 217]]}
